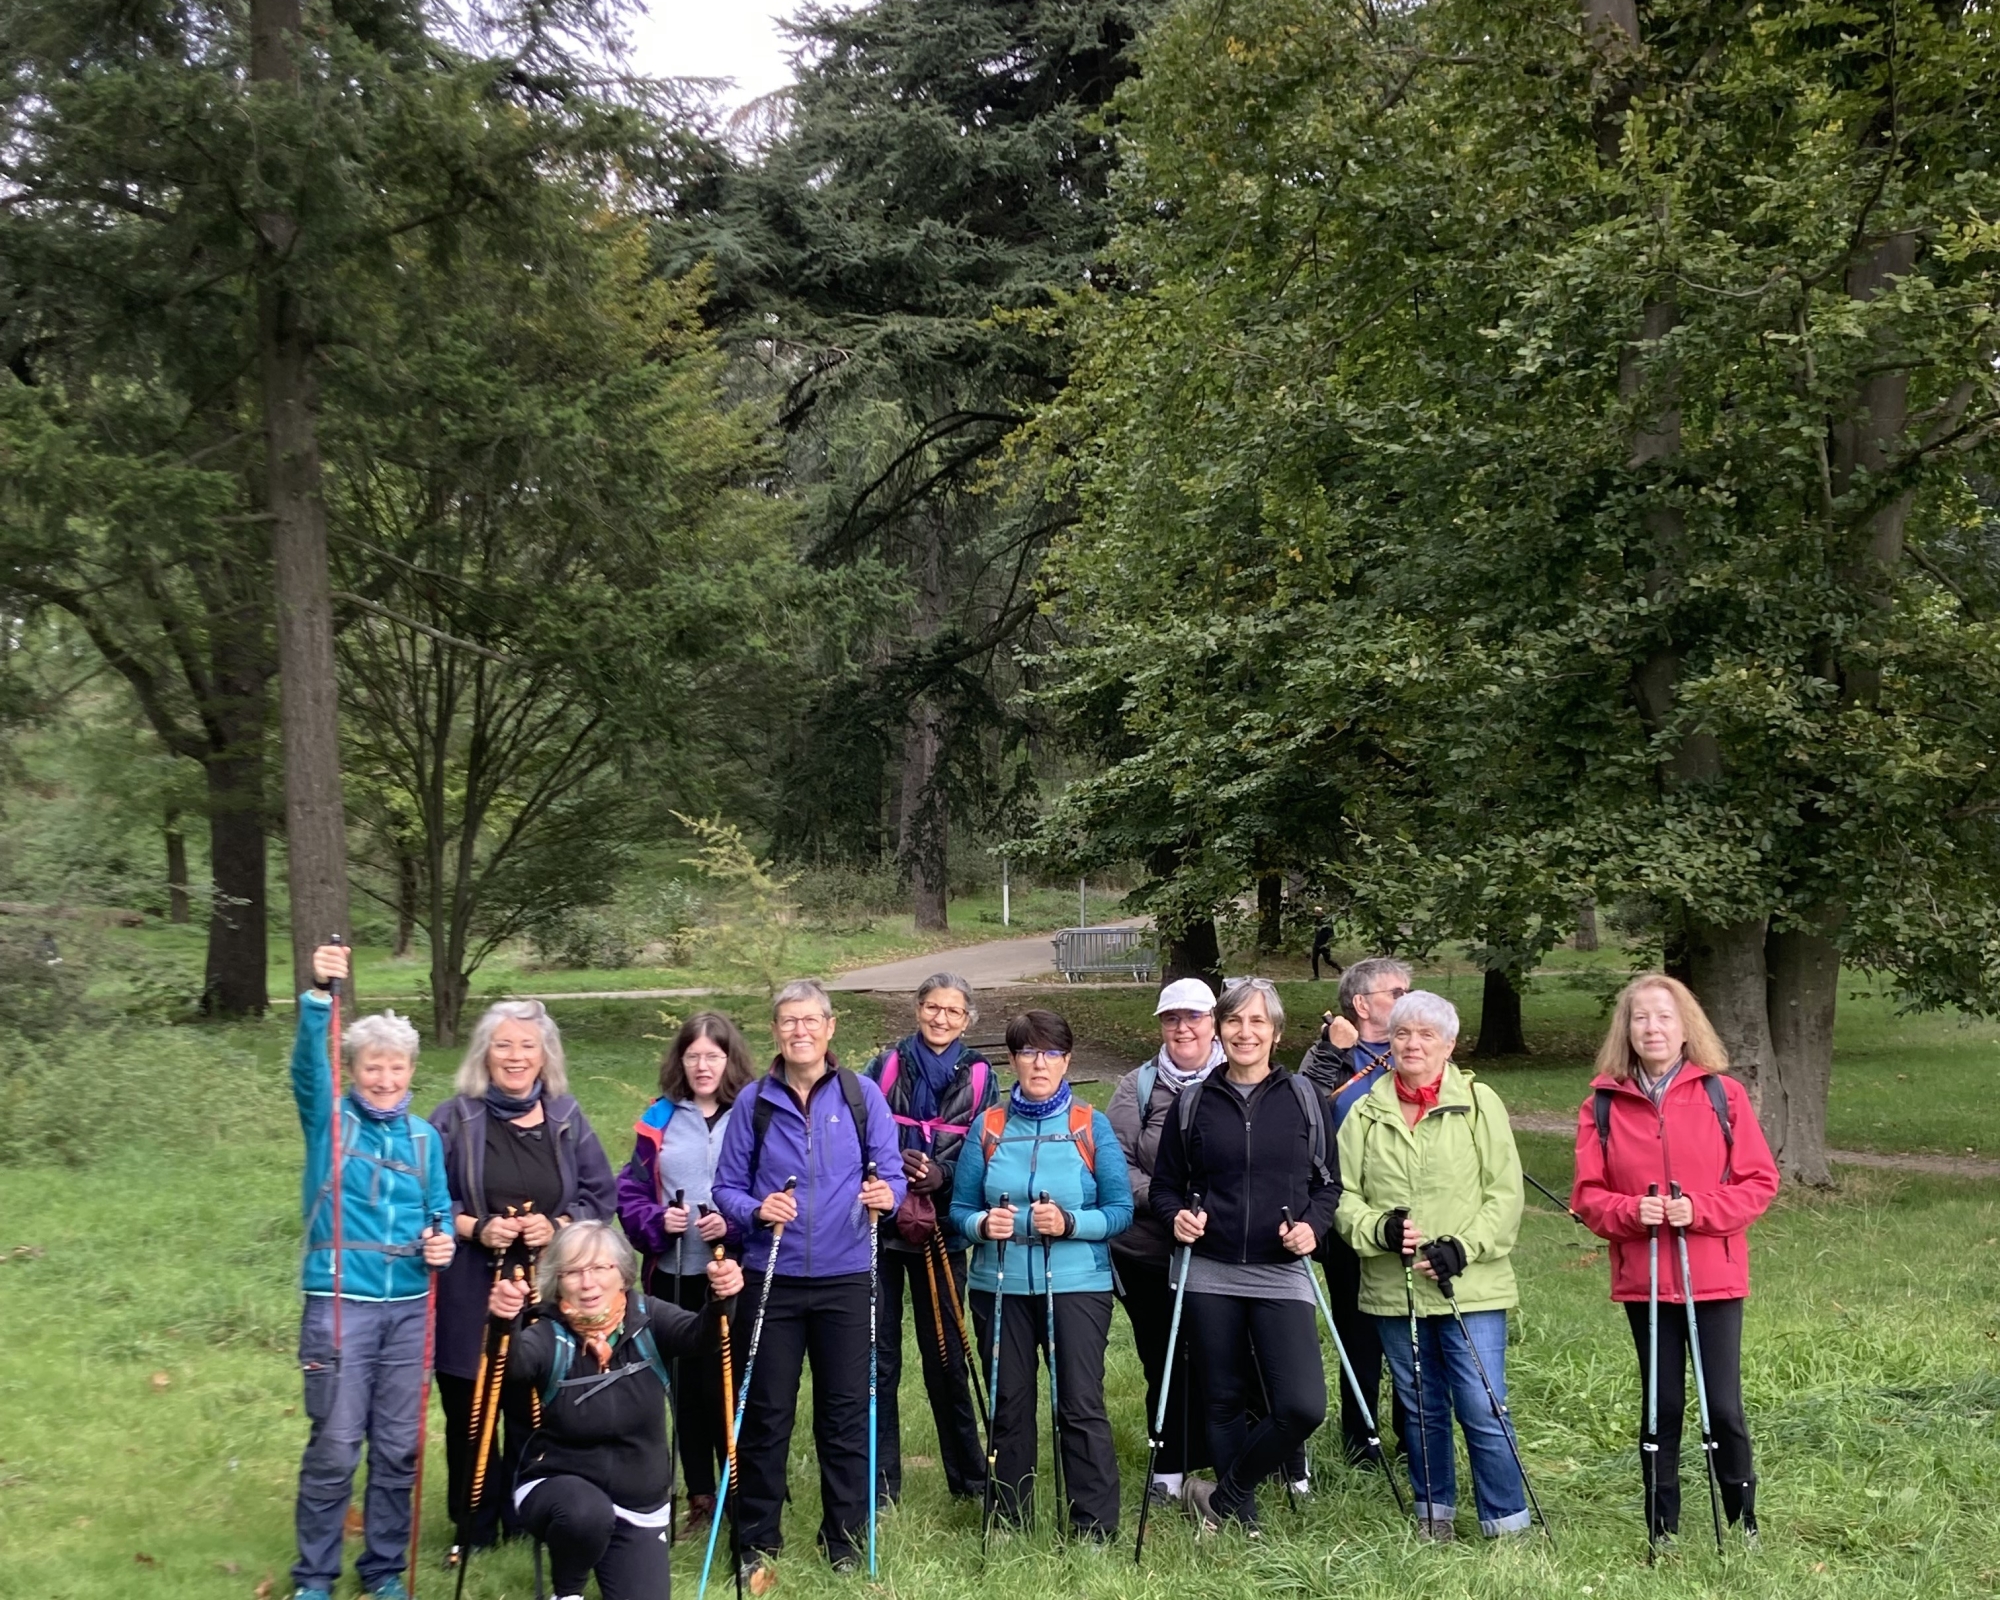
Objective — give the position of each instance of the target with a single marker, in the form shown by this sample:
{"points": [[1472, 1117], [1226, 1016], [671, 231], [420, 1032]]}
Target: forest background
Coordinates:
{"points": [[1488, 475]]}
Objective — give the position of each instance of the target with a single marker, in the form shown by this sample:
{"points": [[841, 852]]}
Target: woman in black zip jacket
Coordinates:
{"points": [[596, 1479], [1250, 1142]]}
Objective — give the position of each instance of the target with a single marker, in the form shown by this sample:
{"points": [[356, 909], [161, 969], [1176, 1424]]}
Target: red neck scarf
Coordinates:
{"points": [[1423, 1097]]}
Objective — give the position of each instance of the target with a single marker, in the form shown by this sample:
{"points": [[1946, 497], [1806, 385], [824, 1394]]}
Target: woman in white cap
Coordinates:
{"points": [[1141, 1106]]}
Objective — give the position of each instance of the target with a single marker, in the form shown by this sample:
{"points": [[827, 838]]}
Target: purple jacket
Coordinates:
{"points": [[830, 1238]]}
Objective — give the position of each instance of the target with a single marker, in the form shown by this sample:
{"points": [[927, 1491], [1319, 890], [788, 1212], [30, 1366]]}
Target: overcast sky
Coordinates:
{"points": [[715, 39]]}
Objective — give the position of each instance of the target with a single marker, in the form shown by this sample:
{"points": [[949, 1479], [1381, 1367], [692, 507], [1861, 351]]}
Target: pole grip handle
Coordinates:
{"points": [[333, 985]]}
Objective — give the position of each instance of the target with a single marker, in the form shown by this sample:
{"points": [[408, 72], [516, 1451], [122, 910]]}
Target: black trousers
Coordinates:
{"points": [[1090, 1463], [496, 1517], [698, 1408], [575, 1519], [824, 1320], [1363, 1343], [1149, 1307], [946, 1380], [1721, 1324], [1256, 1351]]}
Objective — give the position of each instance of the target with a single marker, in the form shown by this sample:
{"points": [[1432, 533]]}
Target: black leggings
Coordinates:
{"points": [[1721, 1324], [1251, 1348], [946, 1381], [698, 1411], [576, 1520], [1149, 1306]]}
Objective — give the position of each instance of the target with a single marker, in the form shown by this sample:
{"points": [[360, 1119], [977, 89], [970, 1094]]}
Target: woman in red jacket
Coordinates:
{"points": [[1662, 1112]]}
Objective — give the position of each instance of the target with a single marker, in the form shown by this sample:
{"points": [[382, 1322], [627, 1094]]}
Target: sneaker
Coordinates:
{"points": [[1160, 1497], [1437, 1530], [758, 1575], [311, 1594], [847, 1565], [390, 1588], [1197, 1495], [1302, 1488]]}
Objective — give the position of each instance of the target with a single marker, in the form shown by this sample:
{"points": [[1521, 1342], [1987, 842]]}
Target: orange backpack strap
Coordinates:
{"points": [[1083, 1129], [991, 1121]]}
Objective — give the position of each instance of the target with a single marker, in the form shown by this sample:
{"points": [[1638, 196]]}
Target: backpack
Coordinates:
{"points": [[892, 1069], [1309, 1107], [1718, 1102], [565, 1353], [1082, 1131], [764, 1111]]}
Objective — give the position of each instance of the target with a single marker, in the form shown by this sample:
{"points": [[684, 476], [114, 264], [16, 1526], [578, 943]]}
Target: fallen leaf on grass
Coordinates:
{"points": [[143, 1559], [264, 1588], [355, 1527], [24, 1252], [161, 1380], [230, 1567]]}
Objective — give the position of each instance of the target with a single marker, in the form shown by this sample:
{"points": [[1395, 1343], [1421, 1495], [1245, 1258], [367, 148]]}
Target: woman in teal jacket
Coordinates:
{"points": [[1031, 1191], [370, 1249]]}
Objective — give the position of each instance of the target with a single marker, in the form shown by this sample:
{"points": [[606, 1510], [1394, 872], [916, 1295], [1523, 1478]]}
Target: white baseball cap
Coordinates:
{"points": [[1185, 994]]}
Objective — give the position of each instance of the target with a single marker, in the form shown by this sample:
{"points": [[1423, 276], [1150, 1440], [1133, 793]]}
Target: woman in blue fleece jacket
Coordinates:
{"points": [[363, 1356], [1039, 1142]]}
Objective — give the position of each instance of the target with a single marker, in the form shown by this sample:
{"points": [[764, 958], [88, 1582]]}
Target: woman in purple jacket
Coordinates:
{"points": [[513, 1138], [666, 1202], [812, 1120]]}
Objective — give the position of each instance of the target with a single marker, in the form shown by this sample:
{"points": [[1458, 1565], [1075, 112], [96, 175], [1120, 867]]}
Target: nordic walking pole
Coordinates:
{"points": [[336, 1138], [489, 1417], [674, 1390], [1416, 1373], [993, 1384], [728, 1412], [1061, 1509], [874, 1281], [1568, 1210], [1166, 1388], [743, 1400], [937, 1304], [1500, 1413], [978, 1378], [1700, 1380], [1649, 1447], [1353, 1383], [424, 1412]]}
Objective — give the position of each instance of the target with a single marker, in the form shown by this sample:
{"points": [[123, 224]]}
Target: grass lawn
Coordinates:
{"points": [[149, 1404]]}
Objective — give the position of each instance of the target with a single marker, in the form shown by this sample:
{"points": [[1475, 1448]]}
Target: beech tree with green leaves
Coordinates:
{"points": [[1538, 446]]}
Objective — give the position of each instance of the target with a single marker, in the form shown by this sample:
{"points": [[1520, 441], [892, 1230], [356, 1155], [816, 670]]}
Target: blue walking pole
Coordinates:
{"points": [[1166, 1389], [1055, 1408], [1353, 1382], [874, 1490], [993, 1384], [743, 1399], [1700, 1379]]}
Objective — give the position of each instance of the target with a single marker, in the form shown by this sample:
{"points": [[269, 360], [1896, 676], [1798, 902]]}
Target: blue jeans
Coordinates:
{"points": [[373, 1396], [1451, 1385]]}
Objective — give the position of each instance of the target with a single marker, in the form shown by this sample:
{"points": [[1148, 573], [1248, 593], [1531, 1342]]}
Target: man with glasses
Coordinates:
{"points": [[1352, 1052], [936, 1085], [1142, 1104]]}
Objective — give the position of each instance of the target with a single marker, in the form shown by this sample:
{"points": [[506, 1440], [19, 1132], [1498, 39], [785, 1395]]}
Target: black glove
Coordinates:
{"points": [[921, 1175], [1447, 1259], [1390, 1231]]}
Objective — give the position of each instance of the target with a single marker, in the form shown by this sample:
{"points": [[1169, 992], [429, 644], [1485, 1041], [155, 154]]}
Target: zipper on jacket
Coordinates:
{"points": [[1245, 1256]]}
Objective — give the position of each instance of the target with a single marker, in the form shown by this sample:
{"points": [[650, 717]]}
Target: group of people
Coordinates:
{"points": [[586, 1328]]}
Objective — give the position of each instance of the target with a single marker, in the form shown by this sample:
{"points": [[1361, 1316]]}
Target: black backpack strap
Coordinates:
{"points": [[559, 1361], [761, 1112], [857, 1108], [1600, 1113], [1309, 1107], [1718, 1100]]}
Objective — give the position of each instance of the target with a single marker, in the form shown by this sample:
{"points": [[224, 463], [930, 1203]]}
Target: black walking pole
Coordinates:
{"points": [[1568, 1209], [993, 1385], [1061, 1510], [1500, 1412], [1422, 1507], [1700, 1379], [1166, 1390], [1375, 1451]]}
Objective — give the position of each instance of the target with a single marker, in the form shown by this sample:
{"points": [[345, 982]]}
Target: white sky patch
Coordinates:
{"points": [[737, 39]]}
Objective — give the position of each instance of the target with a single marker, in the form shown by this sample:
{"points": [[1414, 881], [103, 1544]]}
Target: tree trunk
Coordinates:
{"points": [[178, 910], [449, 991], [1804, 973], [922, 849], [406, 897], [1270, 911], [1195, 953], [235, 982], [1500, 1017], [1586, 925], [1727, 973], [315, 824]]}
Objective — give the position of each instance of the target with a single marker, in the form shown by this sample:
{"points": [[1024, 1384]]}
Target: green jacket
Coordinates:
{"points": [[1456, 1171]]}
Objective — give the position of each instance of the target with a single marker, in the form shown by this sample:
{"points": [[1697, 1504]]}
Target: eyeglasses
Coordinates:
{"points": [[593, 1269], [803, 1024], [1030, 1057], [1393, 994], [1183, 1021], [939, 1013], [705, 1058]]}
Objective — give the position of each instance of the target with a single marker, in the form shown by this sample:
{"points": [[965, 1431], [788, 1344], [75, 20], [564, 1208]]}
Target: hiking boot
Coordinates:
{"points": [[1160, 1497], [847, 1565], [1437, 1530], [700, 1513], [1197, 1495]]}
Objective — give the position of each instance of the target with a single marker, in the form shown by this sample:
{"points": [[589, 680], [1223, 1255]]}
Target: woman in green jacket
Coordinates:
{"points": [[1431, 1183]]}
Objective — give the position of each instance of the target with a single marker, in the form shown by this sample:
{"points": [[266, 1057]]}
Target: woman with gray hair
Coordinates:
{"points": [[596, 1478], [936, 1085], [522, 1161], [1431, 1198]]}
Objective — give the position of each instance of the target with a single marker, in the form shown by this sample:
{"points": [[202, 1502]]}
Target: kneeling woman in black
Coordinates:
{"points": [[596, 1478]]}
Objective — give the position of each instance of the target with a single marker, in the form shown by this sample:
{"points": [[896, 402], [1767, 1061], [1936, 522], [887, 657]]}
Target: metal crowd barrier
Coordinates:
{"points": [[1106, 952]]}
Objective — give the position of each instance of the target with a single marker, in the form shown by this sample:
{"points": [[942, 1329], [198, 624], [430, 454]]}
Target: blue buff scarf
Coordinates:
{"points": [[933, 1076], [1056, 1105], [509, 1106], [381, 1113]]}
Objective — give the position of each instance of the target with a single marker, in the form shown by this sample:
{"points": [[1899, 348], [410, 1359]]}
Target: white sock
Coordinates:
{"points": [[1170, 1481]]}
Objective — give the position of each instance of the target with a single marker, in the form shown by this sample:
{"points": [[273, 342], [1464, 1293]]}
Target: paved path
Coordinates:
{"points": [[1882, 1160]]}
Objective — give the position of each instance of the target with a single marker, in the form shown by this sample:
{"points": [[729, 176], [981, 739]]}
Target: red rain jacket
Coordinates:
{"points": [[1680, 1142]]}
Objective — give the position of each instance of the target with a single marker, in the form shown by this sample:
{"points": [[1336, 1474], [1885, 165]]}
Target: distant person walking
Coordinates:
{"points": [[364, 1359], [936, 1086], [666, 1201], [1661, 1113], [1245, 1177], [1142, 1104], [1322, 945]]}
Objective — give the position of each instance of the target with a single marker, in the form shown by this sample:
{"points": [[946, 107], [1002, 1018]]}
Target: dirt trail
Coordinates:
{"points": [[1885, 1161]]}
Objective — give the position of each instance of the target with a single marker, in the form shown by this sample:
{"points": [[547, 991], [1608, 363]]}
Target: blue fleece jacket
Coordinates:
{"points": [[1031, 1157], [391, 1180]]}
